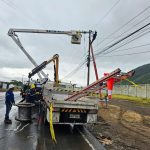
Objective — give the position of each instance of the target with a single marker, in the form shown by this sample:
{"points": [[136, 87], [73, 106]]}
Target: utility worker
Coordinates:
{"points": [[38, 86], [110, 84], [31, 96], [9, 101], [24, 90]]}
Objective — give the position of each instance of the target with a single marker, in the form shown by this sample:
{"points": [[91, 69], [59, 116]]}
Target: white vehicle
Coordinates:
{"points": [[78, 112], [69, 107]]}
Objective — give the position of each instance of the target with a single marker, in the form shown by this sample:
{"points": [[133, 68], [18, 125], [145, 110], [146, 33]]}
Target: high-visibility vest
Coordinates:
{"points": [[38, 85], [110, 84]]}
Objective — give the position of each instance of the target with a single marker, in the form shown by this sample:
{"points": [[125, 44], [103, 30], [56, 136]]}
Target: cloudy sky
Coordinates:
{"points": [[112, 19]]}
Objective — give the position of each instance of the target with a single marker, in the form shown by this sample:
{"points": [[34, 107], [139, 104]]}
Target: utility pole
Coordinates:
{"points": [[88, 59]]}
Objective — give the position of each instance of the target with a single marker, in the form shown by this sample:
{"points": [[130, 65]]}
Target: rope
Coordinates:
{"points": [[51, 123], [133, 83]]}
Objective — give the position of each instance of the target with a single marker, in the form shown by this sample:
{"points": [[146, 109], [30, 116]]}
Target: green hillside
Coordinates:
{"points": [[142, 75]]}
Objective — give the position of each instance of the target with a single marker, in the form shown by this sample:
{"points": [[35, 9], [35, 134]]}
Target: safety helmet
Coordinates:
{"points": [[105, 74], [32, 86], [11, 86]]}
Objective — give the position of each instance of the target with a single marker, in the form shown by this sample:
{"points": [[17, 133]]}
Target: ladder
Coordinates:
{"points": [[92, 86]]}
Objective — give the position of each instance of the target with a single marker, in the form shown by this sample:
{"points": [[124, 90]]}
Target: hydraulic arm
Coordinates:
{"points": [[55, 60], [76, 39]]}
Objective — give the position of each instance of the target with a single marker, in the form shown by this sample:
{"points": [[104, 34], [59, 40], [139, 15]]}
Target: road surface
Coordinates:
{"points": [[29, 136]]}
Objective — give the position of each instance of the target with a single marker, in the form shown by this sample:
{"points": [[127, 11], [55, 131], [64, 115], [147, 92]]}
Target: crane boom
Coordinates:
{"points": [[54, 59], [17, 41], [12, 31], [76, 39]]}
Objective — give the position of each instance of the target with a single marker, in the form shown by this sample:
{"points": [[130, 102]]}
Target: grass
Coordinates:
{"points": [[2, 90], [138, 100]]}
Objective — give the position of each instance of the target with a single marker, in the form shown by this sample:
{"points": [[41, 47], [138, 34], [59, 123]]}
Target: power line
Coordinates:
{"points": [[134, 25], [97, 55], [21, 13], [81, 64], [75, 70], [128, 29], [107, 13], [125, 24], [129, 41], [133, 47], [127, 54], [122, 39]]}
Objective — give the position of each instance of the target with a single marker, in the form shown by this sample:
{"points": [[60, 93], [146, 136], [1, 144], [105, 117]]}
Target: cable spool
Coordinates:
{"points": [[24, 112]]}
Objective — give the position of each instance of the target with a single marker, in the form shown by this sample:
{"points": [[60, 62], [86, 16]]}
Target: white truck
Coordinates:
{"points": [[78, 112], [68, 107], [73, 107]]}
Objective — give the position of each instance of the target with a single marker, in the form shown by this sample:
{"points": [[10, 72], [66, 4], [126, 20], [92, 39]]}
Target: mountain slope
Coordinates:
{"points": [[142, 74]]}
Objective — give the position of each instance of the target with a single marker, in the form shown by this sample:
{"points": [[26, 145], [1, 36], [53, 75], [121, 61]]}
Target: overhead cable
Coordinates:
{"points": [[133, 47], [120, 28], [107, 13], [74, 70], [129, 41], [127, 54], [126, 31], [122, 39]]}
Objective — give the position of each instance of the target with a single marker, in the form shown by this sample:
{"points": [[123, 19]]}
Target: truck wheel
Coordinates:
{"points": [[46, 123]]}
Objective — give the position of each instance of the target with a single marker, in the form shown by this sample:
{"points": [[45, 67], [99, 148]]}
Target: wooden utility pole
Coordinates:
{"points": [[88, 59]]}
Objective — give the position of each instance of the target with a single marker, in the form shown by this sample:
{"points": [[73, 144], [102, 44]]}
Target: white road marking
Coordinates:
{"points": [[17, 127], [87, 140], [22, 128]]}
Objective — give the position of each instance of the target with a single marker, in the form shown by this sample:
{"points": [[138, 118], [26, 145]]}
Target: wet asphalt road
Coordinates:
{"points": [[33, 139], [25, 136]]}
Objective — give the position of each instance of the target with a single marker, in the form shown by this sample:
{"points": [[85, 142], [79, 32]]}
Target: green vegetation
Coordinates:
{"points": [[2, 90], [15, 82], [138, 100], [141, 76]]}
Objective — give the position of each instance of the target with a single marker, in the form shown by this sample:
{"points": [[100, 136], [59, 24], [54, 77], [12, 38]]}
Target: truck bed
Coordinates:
{"points": [[58, 101]]}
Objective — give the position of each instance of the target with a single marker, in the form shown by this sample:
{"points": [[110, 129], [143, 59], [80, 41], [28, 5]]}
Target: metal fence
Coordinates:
{"points": [[142, 90]]}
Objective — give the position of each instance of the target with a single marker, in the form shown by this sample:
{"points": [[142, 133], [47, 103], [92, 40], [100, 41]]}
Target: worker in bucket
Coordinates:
{"points": [[9, 101]]}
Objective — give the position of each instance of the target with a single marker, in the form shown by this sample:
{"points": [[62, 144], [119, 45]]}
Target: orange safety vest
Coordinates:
{"points": [[110, 84]]}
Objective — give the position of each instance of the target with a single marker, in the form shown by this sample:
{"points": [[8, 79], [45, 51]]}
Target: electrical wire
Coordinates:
{"points": [[21, 13], [127, 30], [129, 41], [127, 54], [133, 47], [121, 27], [81, 64], [109, 47], [74, 71], [107, 13], [134, 26], [122, 39]]}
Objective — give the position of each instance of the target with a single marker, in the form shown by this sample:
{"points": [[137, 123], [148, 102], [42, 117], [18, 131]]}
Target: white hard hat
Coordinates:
{"points": [[11, 86]]}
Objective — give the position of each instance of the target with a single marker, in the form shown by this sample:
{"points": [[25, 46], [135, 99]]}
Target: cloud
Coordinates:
{"points": [[68, 15]]}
